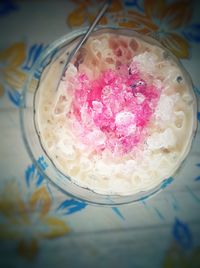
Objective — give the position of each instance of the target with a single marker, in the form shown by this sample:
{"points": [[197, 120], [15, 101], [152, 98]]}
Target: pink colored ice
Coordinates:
{"points": [[113, 111]]}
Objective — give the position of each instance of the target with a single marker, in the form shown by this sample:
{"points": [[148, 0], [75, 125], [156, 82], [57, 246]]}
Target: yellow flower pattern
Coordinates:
{"points": [[162, 20], [28, 220], [177, 258], [11, 60], [159, 19]]}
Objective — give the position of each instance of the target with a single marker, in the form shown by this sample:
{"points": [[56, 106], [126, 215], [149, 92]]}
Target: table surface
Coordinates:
{"points": [[40, 226]]}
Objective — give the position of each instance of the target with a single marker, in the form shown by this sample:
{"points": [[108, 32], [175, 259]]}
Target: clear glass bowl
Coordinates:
{"points": [[56, 50]]}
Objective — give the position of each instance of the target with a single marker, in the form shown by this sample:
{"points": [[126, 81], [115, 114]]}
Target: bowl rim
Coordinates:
{"points": [[142, 195]]}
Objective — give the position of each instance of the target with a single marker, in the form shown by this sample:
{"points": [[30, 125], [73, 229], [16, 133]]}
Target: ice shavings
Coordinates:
{"points": [[164, 140], [113, 111], [165, 109]]}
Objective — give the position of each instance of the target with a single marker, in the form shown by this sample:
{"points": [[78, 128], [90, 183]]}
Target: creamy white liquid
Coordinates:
{"points": [[157, 157]]}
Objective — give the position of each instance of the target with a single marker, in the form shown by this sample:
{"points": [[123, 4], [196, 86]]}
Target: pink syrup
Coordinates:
{"points": [[115, 108]]}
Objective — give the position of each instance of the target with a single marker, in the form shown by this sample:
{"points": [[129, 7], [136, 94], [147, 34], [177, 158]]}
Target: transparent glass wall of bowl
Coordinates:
{"points": [[60, 49]]}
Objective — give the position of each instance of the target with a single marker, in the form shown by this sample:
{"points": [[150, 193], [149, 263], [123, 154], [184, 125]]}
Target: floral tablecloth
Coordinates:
{"points": [[41, 227]]}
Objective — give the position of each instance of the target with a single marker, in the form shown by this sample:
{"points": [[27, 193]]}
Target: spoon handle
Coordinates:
{"points": [[86, 35]]}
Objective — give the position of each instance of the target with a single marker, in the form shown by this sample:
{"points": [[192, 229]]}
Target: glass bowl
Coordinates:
{"points": [[59, 50]]}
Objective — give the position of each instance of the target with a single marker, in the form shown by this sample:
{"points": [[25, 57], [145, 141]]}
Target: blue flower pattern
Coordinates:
{"points": [[33, 54], [32, 174], [7, 6], [182, 234], [192, 33], [71, 206]]}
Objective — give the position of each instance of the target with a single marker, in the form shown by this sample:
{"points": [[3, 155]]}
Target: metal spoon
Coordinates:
{"points": [[85, 37]]}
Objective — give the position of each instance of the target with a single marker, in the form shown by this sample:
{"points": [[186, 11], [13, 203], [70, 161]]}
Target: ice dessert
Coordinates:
{"points": [[123, 117]]}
